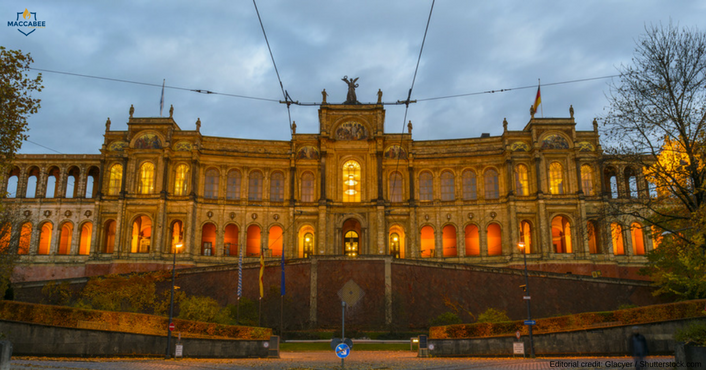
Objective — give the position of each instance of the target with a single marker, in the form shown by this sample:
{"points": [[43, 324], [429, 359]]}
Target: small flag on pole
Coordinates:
{"points": [[262, 272], [537, 100], [282, 291], [161, 100], [240, 272]]}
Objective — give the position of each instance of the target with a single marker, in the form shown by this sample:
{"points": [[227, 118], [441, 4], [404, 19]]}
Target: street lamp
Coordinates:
{"points": [[521, 245], [171, 302]]}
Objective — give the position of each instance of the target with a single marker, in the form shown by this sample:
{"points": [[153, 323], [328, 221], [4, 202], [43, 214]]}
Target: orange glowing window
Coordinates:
{"points": [[472, 241], [561, 235], [145, 180], [275, 239], [181, 180], [495, 246], [84, 244], [638, 239], [448, 241], [427, 241], [116, 179], [252, 247], [616, 232]]}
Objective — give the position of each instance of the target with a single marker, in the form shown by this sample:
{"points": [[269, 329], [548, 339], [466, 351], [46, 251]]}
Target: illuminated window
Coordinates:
{"points": [[395, 245], [25, 238], [427, 241], [492, 188], [447, 186], [277, 187], [594, 245], [350, 240], [638, 239], [109, 236], [84, 244], [252, 246], [587, 179], [177, 237], [616, 232], [472, 240], [495, 242], [45, 238], [116, 179], [233, 185], [5, 233], [146, 178], [448, 241], [255, 187], [307, 187], [469, 185], [526, 236], [561, 235], [208, 239], [275, 239], [395, 187], [556, 178], [425, 186], [351, 181], [181, 180], [230, 240], [210, 188], [307, 242], [65, 238], [522, 180], [141, 235]]}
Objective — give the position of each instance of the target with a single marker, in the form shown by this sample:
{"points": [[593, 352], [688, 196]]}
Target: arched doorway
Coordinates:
{"points": [[351, 238]]}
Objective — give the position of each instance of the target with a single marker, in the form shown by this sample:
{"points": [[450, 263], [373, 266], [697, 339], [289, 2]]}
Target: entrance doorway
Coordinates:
{"points": [[351, 238]]}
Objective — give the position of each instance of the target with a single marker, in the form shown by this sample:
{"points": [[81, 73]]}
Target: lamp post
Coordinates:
{"points": [[521, 245], [171, 302]]}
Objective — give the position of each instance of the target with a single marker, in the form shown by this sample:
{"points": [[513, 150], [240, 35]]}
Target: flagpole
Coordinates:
{"points": [[281, 303], [539, 83], [161, 100], [240, 280]]}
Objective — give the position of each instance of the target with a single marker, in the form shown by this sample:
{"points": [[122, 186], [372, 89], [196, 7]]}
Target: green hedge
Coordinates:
{"points": [[69, 317], [632, 316]]}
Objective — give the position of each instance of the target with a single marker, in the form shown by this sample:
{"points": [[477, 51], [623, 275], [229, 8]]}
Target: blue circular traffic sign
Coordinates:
{"points": [[342, 350]]}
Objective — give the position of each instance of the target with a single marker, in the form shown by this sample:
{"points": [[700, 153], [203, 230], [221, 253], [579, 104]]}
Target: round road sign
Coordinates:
{"points": [[518, 334], [342, 350], [171, 326]]}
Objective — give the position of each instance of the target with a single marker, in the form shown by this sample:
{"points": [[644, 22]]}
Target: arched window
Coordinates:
{"points": [[427, 244], [45, 238], [594, 241], [181, 180], [5, 234], [611, 179], [652, 189], [116, 179], [177, 237], [25, 238], [275, 240], [306, 241], [351, 181], [252, 247], [556, 178], [469, 185], [522, 180], [526, 236], [308, 248], [631, 182], [146, 179], [448, 241], [396, 241], [277, 187], [72, 181], [84, 243], [233, 186], [561, 235], [13, 183], [587, 179], [307, 187], [91, 181], [425, 186], [352, 243], [210, 188], [447, 186], [255, 188], [52, 182], [31, 191], [141, 235], [495, 240], [616, 232], [472, 240], [109, 236], [395, 187], [492, 188], [230, 240], [395, 245], [208, 239], [638, 239]]}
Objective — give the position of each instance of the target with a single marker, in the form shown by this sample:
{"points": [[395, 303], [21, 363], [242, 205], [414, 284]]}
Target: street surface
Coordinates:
{"points": [[328, 360]]}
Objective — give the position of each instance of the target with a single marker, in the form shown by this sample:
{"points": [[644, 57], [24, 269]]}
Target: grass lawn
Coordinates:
{"points": [[304, 347]]}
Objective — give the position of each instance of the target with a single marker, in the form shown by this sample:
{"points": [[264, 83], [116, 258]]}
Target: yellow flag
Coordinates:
{"points": [[537, 100]]}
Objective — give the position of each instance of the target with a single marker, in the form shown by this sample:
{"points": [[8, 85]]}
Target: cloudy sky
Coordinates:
{"points": [[471, 47]]}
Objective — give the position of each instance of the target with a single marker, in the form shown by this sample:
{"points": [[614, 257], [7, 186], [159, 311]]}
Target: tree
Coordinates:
{"points": [[16, 102], [657, 124]]}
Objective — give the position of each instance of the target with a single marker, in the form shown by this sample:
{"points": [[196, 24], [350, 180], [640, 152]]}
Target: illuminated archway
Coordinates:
{"points": [[448, 241], [427, 243], [276, 241], [495, 240], [230, 240], [351, 238], [65, 238], [141, 235], [45, 238], [397, 241], [307, 242], [638, 239], [526, 236], [208, 239], [616, 232], [561, 235], [84, 243], [252, 246], [472, 240]]}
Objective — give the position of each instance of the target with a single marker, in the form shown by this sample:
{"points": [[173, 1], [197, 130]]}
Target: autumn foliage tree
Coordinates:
{"points": [[657, 124]]}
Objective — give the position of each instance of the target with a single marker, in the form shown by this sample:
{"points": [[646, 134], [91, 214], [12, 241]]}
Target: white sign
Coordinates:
{"points": [[179, 351], [518, 348], [526, 297]]}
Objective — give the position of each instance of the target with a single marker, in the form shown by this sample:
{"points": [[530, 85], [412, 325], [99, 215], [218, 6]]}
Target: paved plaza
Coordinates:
{"points": [[327, 360]]}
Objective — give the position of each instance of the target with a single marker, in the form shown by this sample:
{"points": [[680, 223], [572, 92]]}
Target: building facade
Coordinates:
{"points": [[349, 190]]}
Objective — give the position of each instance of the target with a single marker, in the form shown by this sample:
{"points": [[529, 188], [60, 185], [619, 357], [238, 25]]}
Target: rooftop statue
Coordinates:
{"points": [[351, 98]]}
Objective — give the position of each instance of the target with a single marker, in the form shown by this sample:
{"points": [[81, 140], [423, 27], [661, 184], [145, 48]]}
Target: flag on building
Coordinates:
{"points": [[282, 291], [537, 100], [240, 272], [262, 273], [161, 100]]}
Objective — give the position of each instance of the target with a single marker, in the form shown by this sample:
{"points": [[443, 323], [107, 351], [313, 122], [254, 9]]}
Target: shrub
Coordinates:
{"points": [[133, 293], [492, 315], [446, 318], [57, 294], [198, 308], [692, 334]]}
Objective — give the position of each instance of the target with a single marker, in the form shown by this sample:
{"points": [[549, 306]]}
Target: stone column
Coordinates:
{"points": [[378, 156], [322, 173]]}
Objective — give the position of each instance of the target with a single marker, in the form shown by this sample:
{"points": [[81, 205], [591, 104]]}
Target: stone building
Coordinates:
{"points": [[351, 189]]}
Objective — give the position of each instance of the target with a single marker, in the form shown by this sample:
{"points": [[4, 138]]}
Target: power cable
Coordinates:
{"points": [[43, 146]]}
